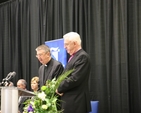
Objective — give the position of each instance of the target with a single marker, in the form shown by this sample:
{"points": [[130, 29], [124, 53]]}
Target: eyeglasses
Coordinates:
{"points": [[41, 54]]}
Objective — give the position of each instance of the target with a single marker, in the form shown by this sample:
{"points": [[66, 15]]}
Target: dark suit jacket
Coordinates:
{"points": [[54, 69], [75, 88], [21, 103]]}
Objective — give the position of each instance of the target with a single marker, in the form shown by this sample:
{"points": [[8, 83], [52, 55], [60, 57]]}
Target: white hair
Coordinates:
{"points": [[73, 36]]}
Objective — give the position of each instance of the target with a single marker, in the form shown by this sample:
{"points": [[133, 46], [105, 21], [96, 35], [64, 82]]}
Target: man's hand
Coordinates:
{"points": [[60, 94]]}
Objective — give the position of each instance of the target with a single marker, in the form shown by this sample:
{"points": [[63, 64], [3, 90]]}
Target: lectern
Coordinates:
{"points": [[9, 98]]}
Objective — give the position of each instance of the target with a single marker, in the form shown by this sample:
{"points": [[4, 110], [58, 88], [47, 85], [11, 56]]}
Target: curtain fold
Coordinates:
{"points": [[134, 50], [110, 32]]}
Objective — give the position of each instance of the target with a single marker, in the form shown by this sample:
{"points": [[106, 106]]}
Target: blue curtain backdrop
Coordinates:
{"points": [[58, 51]]}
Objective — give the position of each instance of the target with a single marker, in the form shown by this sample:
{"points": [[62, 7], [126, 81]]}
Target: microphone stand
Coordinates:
{"points": [[5, 82]]}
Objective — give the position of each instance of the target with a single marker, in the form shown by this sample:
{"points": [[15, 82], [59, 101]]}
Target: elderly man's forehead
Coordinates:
{"points": [[19, 82]]}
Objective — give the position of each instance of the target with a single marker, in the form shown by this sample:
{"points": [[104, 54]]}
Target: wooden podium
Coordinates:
{"points": [[9, 98]]}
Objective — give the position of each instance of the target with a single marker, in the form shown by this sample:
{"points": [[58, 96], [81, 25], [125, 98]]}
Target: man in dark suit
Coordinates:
{"points": [[22, 84], [50, 67], [74, 89]]}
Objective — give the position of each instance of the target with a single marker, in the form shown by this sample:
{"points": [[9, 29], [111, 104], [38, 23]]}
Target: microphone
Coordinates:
{"points": [[6, 81], [10, 76]]}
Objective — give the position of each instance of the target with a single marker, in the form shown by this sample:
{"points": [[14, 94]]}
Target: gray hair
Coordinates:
{"points": [[43, 47], [73, 36], [23, 82]]}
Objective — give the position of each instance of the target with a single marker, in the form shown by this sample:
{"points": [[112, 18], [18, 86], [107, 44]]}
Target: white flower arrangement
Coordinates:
{"points": [[45, 101]]}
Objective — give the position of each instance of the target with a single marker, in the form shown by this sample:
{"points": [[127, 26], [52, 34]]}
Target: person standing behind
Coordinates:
{"points": [[22, 84], [74, 89], [35, 84], [50, 67]]}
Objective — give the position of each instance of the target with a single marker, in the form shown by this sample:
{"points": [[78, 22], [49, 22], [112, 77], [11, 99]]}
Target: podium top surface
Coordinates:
{"points": [[21, 92]]}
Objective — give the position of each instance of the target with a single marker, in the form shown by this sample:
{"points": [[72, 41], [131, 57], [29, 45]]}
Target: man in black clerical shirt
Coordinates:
{"points": [[50, 67]]}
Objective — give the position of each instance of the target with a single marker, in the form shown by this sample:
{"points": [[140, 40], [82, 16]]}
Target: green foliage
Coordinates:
{"points": [[45, 101]]}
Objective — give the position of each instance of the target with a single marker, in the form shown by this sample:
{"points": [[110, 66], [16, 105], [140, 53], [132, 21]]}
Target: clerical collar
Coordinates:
{"points": [[76, 52], [48, 62]]}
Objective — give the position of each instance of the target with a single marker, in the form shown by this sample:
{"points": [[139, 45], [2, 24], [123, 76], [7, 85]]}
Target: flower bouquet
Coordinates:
{"points": [[46, 100]]}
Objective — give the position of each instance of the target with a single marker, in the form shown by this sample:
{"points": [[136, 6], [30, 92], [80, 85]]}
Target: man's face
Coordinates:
{"points": [[43, 56], [69, 46], [20, 85]]}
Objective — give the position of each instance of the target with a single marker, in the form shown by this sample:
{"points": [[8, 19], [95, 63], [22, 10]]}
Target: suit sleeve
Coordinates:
{"points": [[80, 74], [58, 70]]}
